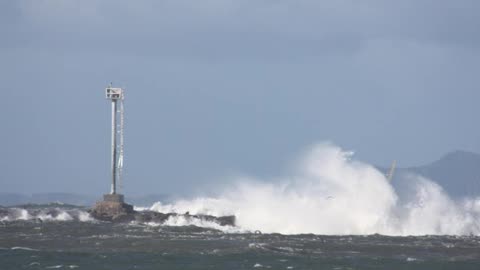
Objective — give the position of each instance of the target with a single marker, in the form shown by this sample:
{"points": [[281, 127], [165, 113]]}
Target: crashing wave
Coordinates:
{"points": [[333, 194], [187, 221], [43, 214]]}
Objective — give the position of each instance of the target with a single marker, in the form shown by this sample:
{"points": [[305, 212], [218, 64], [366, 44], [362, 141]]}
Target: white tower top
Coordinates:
{"points": [[114, 93]]}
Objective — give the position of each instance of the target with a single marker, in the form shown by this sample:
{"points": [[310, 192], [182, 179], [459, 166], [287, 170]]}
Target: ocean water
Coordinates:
{"points": [[64, 237]]}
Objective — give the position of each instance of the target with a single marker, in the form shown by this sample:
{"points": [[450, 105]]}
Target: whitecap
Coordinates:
{"points": [[23, 248], [180, 220], [84, 216], [54, 266]]}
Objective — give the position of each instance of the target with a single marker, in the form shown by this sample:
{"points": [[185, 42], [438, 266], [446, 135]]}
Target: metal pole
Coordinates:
{"points": [[114, 146]]}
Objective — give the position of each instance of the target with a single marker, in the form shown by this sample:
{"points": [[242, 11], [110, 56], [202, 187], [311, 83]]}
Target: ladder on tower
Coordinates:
{"points": [[121, 128]]}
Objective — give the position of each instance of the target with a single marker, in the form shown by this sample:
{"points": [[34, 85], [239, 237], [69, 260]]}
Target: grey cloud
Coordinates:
{"points": [[224, 85], [435, 20]]}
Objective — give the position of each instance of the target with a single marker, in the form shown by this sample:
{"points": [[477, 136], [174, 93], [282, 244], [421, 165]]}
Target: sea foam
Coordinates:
{"points": [[45, 214]]}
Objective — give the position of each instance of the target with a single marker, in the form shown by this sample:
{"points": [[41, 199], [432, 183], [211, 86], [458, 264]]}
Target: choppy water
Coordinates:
{"points": [[74, 241]]}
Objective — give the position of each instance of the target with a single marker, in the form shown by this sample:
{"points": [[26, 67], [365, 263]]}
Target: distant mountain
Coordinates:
{"points": [[457, 172]]}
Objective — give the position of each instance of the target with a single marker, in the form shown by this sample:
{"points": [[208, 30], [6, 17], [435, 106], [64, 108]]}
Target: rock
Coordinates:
{"points": [[151, 216], [114, 209], [226, 220], [3, 212], [123, 218]]}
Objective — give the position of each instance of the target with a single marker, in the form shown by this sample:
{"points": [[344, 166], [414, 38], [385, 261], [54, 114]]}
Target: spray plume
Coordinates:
{"points": [[331, 193]]}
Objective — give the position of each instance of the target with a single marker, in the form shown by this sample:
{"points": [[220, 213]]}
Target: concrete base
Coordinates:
{"points": [[113, 198], [113, 208]]}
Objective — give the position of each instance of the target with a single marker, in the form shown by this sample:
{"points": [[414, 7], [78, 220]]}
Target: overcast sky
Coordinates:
{"points": [[217, 88]]}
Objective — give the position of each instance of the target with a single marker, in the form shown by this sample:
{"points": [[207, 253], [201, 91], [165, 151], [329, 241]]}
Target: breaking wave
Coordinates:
{"points": [[181, 221], [43, 214], [331, 193]]}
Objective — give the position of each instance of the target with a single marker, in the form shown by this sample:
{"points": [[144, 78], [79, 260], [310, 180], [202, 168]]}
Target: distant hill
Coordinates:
{"points": [[457, 172]]}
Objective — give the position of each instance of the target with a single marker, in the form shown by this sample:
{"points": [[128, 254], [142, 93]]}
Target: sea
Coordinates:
{"points": [[57, 236]]}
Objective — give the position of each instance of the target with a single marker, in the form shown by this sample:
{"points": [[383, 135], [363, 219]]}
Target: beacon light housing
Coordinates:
{"points": [[114, 93]]}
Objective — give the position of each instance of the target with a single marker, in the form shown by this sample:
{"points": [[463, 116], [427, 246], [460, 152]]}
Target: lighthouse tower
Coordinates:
{"points": [[113, 206], [116, 96]]}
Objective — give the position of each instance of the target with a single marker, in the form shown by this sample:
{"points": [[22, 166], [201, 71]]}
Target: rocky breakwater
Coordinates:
{"points": [[114, 209]]}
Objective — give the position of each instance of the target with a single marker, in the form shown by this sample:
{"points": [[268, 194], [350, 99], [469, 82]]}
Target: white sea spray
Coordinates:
{"points": [[331, 193]]}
